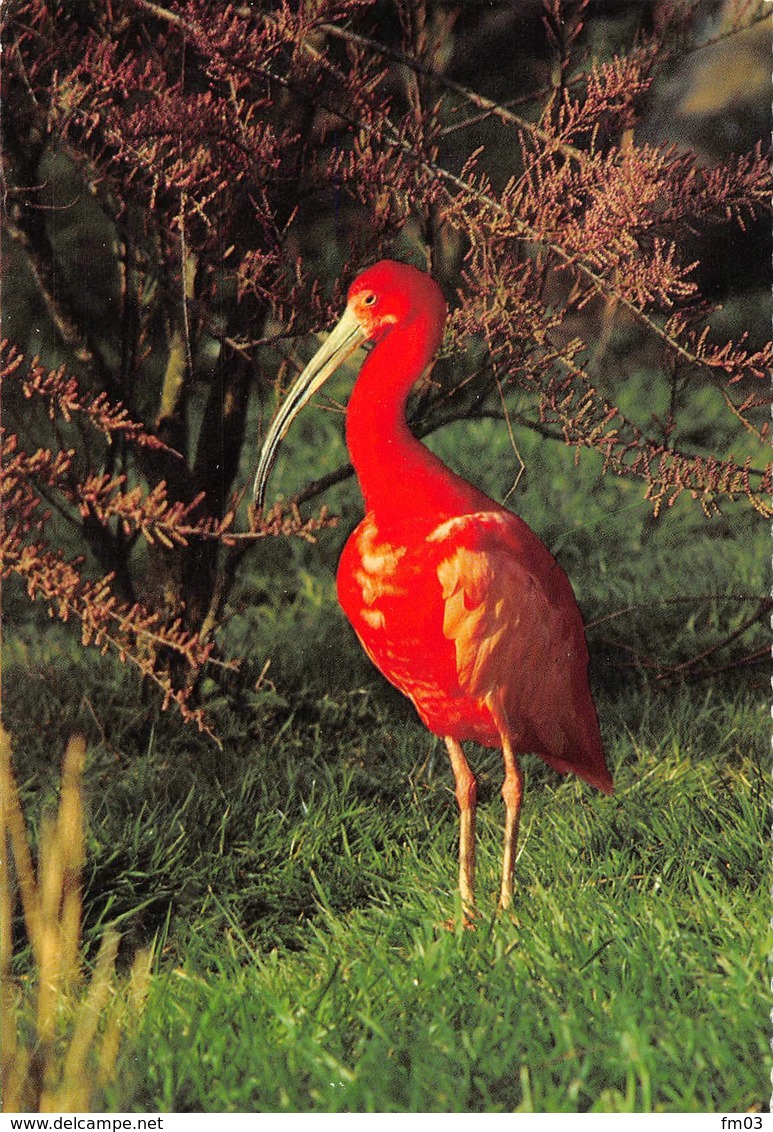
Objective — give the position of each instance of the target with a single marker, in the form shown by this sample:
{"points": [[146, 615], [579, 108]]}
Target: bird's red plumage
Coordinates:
{"points": [[453, 597], [514, 629]]}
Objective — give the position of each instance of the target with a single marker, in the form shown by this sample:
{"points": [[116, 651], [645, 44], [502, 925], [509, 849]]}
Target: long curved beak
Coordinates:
{"points": [[342, 341]]}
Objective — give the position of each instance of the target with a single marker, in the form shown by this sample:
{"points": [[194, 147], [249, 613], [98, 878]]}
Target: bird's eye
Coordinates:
{"points": [[369, 299]]}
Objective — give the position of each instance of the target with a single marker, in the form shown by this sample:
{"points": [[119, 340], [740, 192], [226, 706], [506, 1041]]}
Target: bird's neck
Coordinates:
{"points": [[399, 477]]}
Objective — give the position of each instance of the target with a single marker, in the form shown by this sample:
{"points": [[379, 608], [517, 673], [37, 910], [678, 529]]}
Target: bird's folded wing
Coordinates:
{"points": [[513, 634]]}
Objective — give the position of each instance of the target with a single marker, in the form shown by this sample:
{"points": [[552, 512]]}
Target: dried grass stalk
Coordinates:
{"points": [[56, 1045]]}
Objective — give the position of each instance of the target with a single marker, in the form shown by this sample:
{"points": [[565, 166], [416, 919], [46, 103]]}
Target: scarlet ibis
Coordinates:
{"points": [[452, 596]]}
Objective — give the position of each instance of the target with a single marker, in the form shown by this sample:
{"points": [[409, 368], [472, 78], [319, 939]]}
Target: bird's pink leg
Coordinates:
{"points": [[467, 797], [512, 792]]}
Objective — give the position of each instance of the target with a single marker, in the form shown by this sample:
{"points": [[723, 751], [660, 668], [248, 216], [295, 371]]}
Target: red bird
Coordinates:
{"points": [[452, 596]]}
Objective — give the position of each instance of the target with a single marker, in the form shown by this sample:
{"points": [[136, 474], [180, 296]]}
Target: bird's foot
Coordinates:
{"points": [[506, 911], [467, 922]]}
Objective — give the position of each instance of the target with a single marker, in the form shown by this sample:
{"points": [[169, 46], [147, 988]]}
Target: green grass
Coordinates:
{"points": [[297, 881], [629, 978], [299, 884]]}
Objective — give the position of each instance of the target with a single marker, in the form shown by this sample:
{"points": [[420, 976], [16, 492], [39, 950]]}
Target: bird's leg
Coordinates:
{"points": [[512, 792], [467, 797]]}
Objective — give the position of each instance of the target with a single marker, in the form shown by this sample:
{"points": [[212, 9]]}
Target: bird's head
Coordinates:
{"points": [[384, 296], [391, 294]]}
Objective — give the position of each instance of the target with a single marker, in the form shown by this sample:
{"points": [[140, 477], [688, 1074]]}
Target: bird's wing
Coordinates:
{"points": [[519, 639]]}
